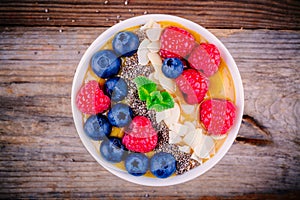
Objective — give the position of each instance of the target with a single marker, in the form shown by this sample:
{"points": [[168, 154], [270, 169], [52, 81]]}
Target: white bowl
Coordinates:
{"points": [[149, 181]]}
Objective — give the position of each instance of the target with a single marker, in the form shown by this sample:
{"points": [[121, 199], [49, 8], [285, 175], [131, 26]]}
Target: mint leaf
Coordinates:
{"points": [[147, 91], [145, 87], [160, 101], [141, 81]]}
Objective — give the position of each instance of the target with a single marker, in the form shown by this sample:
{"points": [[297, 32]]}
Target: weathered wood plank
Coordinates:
{"points": [[42, 156], [270, 14]]}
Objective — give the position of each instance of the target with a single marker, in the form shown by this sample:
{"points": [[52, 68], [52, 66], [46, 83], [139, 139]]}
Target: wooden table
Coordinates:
{"points": [[41, 43]]}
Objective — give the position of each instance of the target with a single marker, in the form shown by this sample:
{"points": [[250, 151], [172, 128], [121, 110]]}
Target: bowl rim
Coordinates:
{"points": [[239, 94]]}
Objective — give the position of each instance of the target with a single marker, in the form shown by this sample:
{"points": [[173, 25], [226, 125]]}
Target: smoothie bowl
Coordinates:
{"points": [[157, 100]]}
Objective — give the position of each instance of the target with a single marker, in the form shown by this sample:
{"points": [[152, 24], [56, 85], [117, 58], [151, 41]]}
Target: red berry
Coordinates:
{"points": [[140, 135], [176, 43], [217, 115], [193, 85], [91, 100], [206, 58]]}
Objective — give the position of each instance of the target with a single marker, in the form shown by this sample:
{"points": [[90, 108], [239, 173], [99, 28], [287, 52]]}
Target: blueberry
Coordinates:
{"points": [[97, 127], [162, 165], [120, 115], [116, 88], [172, 67], [112, 150], [137, 164], [105, 63], [125, 43]]}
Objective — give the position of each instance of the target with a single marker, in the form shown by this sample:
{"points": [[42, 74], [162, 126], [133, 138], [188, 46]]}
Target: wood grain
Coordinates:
{"points": [[271, 14], [42, 155]]}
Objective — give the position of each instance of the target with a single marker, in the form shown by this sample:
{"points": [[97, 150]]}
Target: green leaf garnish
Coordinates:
{"points": [[145, 87], [147, 91]]}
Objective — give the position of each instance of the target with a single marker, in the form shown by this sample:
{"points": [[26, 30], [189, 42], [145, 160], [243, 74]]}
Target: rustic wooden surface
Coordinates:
{"points": [[41, 43]]}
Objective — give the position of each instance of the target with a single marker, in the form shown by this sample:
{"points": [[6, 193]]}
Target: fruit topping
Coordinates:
{"points": [[137, 164], [217, 115], [116, 88], [147, 91], [162, 165], [176, 42], [172, 67], [105, 63], [112, 150], [120, 115], [125, 43], [91, 99], [97, 127], [140, 136], [193, 85], [205, 58]]}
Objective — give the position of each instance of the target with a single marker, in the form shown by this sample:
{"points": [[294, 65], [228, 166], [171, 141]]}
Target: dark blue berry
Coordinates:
{"points": [[112, 150], [137, 164], [120, 115], [105, 63], [125, 43], [97, 127], [172, 67], [116, 88], [162, 165]]}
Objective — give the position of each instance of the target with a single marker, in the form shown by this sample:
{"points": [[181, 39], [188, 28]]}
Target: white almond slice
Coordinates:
{"points": [[195, 157], [153, 34], [189, 138], [148, 25], [155, 59], [188, 109], [155, 25], [190, 125], [160, 116], [185, 149], [179, 128], [198, 138], [154, 47], [173, 116], [143, 45], [174, 138], [167, 83], [204, 149], [143, 57], [153, 78], [218, 137]]}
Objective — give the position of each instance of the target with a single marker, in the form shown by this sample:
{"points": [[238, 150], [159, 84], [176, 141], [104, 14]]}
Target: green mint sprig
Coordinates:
{"points": [[147, 91]]}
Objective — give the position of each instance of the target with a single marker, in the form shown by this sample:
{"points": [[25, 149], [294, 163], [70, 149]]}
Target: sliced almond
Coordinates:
{"points": [[155, 25], [148, 25], [167, 83], [205, 148], [143, 57], [195, 157], [185, 149], [154, 47], [143, 45], [179, 128], [160, 116], [188, 109], [218, 137], [173, 116], [198, 138], [174, 138], [155, 59], [153, 34]]}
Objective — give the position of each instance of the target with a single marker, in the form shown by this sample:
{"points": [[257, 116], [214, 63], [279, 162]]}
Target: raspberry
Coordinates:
{"points": [[91, 100], [217, 115], [193, 85], [206, 58], [140, 135], [176, 43]]}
